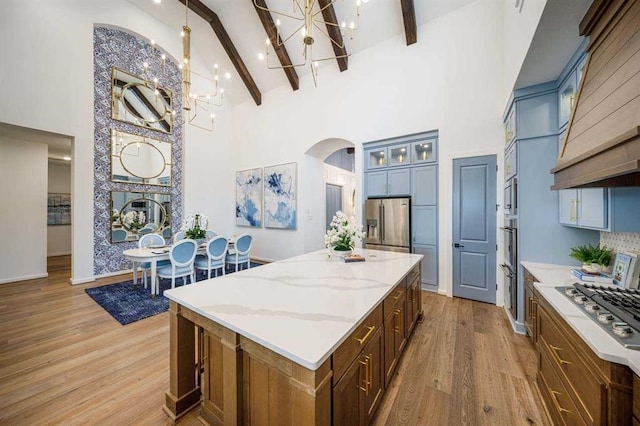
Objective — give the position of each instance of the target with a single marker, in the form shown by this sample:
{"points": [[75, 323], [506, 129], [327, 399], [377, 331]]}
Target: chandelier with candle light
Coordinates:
{"points": [[309, 22], [197, 107]]}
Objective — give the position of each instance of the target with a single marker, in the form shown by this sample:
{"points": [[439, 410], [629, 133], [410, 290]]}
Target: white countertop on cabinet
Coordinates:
{"points": [[606, 347], [303, 307]]}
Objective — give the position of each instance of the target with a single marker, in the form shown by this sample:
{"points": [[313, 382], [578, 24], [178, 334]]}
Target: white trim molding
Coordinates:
{"points": [[24, 278]]}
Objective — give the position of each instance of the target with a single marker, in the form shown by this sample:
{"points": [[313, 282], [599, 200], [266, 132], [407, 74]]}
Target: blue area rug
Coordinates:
{"points": [[128, 303]]}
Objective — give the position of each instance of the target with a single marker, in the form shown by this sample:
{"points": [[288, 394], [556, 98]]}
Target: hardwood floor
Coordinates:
{"points": [[64, 360]]}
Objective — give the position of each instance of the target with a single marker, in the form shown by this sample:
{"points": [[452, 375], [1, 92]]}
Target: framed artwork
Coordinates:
{"points": [[280, 196], [58, 209], [249, 198]]}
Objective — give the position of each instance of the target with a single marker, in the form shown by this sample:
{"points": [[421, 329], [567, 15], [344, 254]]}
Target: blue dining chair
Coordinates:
{"points": [[180, 235], [214, 259], [148, 240], [166, 232], [182, 256], [118, 235], [240, 254]]}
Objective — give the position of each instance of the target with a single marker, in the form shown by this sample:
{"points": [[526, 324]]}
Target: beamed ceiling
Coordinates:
{"points": [[232, 33]]}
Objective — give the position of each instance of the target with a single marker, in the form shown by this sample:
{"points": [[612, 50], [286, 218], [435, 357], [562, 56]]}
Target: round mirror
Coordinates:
{"points": [[142, 159], [143, 102], [143, 215]]}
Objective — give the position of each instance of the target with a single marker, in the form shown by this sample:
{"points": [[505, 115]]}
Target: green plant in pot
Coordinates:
{"points": [[594, 258]]}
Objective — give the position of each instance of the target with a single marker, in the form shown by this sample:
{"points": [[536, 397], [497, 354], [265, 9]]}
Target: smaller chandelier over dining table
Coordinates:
{"points": [[309, 21]]}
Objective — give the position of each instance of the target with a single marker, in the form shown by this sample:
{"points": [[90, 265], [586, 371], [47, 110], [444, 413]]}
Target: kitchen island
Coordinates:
{"points": [[307, 340]]}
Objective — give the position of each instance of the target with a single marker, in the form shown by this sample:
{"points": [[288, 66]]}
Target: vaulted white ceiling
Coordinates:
{"points": [[379, 20]]}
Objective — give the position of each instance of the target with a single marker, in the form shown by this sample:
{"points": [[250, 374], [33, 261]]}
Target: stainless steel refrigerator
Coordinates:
{"points": [[388, 224]]}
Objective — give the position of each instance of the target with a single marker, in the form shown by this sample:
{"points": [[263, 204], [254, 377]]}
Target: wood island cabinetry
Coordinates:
{"points": [[245, 380]]}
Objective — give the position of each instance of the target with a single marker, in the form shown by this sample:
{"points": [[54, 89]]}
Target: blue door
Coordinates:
{"points": [[474, 228]]}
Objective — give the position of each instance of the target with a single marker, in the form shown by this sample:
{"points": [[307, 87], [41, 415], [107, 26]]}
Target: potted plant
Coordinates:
{"points": [[594, 258], [195, 227], [343, 232]]}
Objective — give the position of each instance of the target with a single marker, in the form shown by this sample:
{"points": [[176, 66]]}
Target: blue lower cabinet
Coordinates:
{"points": [[425, 224], [429, 277]]}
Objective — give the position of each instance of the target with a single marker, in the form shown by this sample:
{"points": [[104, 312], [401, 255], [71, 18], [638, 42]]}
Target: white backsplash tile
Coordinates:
{"points": [[620, 241]]}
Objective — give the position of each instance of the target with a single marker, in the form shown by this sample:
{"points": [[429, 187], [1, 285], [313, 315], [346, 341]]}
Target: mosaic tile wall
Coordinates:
{"points": [[621, 241], [116, 48]]}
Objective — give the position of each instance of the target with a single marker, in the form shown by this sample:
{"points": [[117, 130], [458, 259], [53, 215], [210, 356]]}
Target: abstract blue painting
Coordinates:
{"points": [[280, 195], [249, 198]]}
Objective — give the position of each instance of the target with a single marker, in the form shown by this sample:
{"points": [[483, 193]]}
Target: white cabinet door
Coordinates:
{"points": [[592, 208]]}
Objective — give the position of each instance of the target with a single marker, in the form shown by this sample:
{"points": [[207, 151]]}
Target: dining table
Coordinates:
{"points": [[155, 254]]}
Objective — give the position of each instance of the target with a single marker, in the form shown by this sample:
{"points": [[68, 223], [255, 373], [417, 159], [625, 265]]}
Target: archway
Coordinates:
{"points": [[318, 175]]}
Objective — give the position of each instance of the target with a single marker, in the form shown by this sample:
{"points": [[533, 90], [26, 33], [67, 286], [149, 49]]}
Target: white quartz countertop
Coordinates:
{"points": [[606, 347], [302, 308]]}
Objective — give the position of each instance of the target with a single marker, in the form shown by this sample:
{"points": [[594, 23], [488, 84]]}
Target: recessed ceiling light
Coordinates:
{"points": [[157, 1], [66, 158]]}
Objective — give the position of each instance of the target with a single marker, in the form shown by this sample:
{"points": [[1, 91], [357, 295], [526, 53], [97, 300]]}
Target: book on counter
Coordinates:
{"points": [[625, 270], [591, 278], [353, 258]]}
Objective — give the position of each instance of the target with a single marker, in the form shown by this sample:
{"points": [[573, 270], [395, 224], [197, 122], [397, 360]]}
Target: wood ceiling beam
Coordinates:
{"points": [[276, 42], [333, 29], [409, 17], [216, 25]]}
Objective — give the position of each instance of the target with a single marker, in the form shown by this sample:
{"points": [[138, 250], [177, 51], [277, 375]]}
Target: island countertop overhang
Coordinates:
{"points": [[302, 308]]}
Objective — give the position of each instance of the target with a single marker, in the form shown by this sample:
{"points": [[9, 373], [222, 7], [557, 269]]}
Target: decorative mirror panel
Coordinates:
{"points": [[136, 213], [138, 159], [141, 102]]}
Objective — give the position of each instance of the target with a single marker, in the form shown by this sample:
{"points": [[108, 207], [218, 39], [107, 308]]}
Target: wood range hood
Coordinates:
{"points": [[602, 144]]}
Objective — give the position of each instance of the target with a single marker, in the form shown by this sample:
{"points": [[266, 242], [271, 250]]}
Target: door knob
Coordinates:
{"points": [[457, 245]]}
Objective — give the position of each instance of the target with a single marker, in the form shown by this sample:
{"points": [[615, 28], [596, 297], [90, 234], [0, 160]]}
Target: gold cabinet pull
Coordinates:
{"points": [[370, 381], [367, 374], [556, 402], [397, 296], [557, 355], [365, 381], [366, 336], [396, 327]]}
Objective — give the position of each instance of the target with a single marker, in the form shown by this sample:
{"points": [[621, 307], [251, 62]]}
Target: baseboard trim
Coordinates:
{"points": [[64, 253], [442, 291], [73, 281], [23, 278], [517, 327]]}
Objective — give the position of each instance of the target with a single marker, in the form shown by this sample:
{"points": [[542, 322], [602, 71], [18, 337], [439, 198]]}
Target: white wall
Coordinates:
{"points": [[519, 26], [23, 210], [59, 236], [48, 76], [451, 80]]}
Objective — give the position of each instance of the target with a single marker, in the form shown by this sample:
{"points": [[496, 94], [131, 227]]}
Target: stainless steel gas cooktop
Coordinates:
{"points": [[616, 310]]}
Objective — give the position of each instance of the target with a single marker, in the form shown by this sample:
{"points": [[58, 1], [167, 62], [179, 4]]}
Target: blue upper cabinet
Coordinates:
{"points": [[425, 151], [601, 209], [376, 158], [399, 155], [580, 71], [511, 162], [425, 185], [510, 130], [567, 98], [388, 183]]}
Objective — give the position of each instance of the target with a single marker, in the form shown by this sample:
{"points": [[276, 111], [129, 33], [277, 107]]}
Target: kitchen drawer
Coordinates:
{"points": [[586, 389], [350, 348], [397, 295], [412, 275], [560, 404]]}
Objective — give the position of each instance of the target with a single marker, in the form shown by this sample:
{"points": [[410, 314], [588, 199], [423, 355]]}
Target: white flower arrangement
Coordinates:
{"points": [[195, 226], [343, 232], [134, 220]]}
